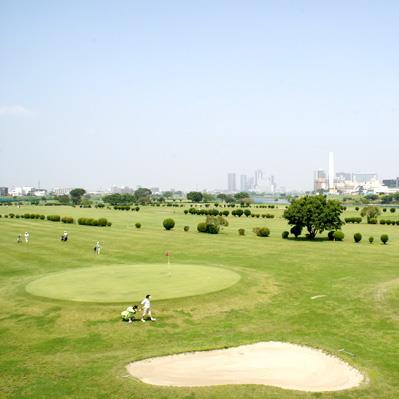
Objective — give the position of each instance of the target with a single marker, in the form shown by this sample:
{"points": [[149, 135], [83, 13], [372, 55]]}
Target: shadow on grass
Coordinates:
{"points": [[316, 239]]}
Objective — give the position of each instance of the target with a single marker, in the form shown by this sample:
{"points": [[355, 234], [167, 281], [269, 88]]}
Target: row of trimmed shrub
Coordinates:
{"points": [[357, 237], [387, 221], [25, 216], [206, 212], [339, 236], [94, 222], [51, 218], [353, 220], [126, 208]]}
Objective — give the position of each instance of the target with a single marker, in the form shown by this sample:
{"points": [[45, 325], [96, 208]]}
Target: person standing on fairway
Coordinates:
{"points": [[19, 239], [147, 308], [27, 236], [97, 248]]}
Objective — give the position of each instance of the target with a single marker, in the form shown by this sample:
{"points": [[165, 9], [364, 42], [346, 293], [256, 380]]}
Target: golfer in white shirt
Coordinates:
{"points": [[147, 308]]}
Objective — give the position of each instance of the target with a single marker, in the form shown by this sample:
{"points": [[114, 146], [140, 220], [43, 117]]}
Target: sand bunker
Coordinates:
{"points": [[269, 363]]}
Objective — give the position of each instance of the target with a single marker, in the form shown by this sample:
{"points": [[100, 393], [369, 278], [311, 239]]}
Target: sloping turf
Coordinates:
{"points": [[127, 283]]}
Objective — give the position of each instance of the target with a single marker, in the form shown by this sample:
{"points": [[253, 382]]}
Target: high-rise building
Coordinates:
{"points": [[243, 183], [320, 182], [258, 177], [272, 184], [3, 191], [331, 172], [231, 182]]}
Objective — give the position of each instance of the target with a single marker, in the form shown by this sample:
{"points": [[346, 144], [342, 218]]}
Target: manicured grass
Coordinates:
{"points": [[131, 282], [67, 349]]}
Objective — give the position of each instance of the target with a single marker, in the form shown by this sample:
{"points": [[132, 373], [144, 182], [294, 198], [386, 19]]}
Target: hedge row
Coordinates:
{"points": [[393, 222], [94, 222], [126, 208], [353, 220], [206, 212], [54, 218]]}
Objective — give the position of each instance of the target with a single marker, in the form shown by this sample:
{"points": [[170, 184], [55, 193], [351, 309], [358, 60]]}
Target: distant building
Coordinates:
{"points": [[331, 172], [320, 182], [62, 190], [362, 178], [231, 182], [21, 191], [39, 192], [3, 191], [390, 183], [121, 190], [343, 176], [258, 178], [243, 183]]}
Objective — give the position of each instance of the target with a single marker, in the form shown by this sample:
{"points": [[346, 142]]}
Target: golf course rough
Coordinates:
{"points": [[127, 283]]}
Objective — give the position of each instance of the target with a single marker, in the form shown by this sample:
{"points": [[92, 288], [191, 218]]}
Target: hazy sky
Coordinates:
{"points": [[179, 93]]}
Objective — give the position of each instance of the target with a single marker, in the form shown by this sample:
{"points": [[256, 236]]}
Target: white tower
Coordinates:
{"points": [[331, 172]]}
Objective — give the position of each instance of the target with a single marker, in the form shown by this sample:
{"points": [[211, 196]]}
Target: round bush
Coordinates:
{"points": [[186, 228], [356, 208], [212, 228], [296, 230], [393, 210], [384, 209], [372, 221], [371, 239], [201, 227], [263, 232], [285, 234], [384, 238], [102, 222], [382, 221], [339, 235], [138, 225], [357, 237], [168, 224], [241, 232]]}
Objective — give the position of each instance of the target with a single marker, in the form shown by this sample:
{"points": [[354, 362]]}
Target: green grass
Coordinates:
{"points": [[67, 349], [131, 282]]}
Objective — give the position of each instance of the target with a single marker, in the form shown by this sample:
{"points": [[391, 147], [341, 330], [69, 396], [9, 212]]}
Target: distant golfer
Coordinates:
{"points": [[64, 237], [147, 308], [27, 236], [97, 248], [19, 238]]}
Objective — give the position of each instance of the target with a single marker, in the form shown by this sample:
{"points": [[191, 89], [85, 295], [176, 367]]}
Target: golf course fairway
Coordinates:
{"points": [[126, 283]]}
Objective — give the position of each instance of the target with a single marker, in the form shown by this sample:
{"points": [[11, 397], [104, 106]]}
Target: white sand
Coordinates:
{"points": [[269, 363]]}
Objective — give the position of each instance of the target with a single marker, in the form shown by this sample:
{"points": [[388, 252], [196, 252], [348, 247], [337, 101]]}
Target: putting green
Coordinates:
{"points": [[128, 283]]}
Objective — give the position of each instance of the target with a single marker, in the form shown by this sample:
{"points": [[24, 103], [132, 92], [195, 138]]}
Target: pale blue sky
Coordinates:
{"points": [[178, 93]]}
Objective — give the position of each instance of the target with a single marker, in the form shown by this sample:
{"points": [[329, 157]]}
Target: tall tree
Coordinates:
{"points": [[371, 212], [76, 195], [315, 213], [143, 195], [194, 196]]}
